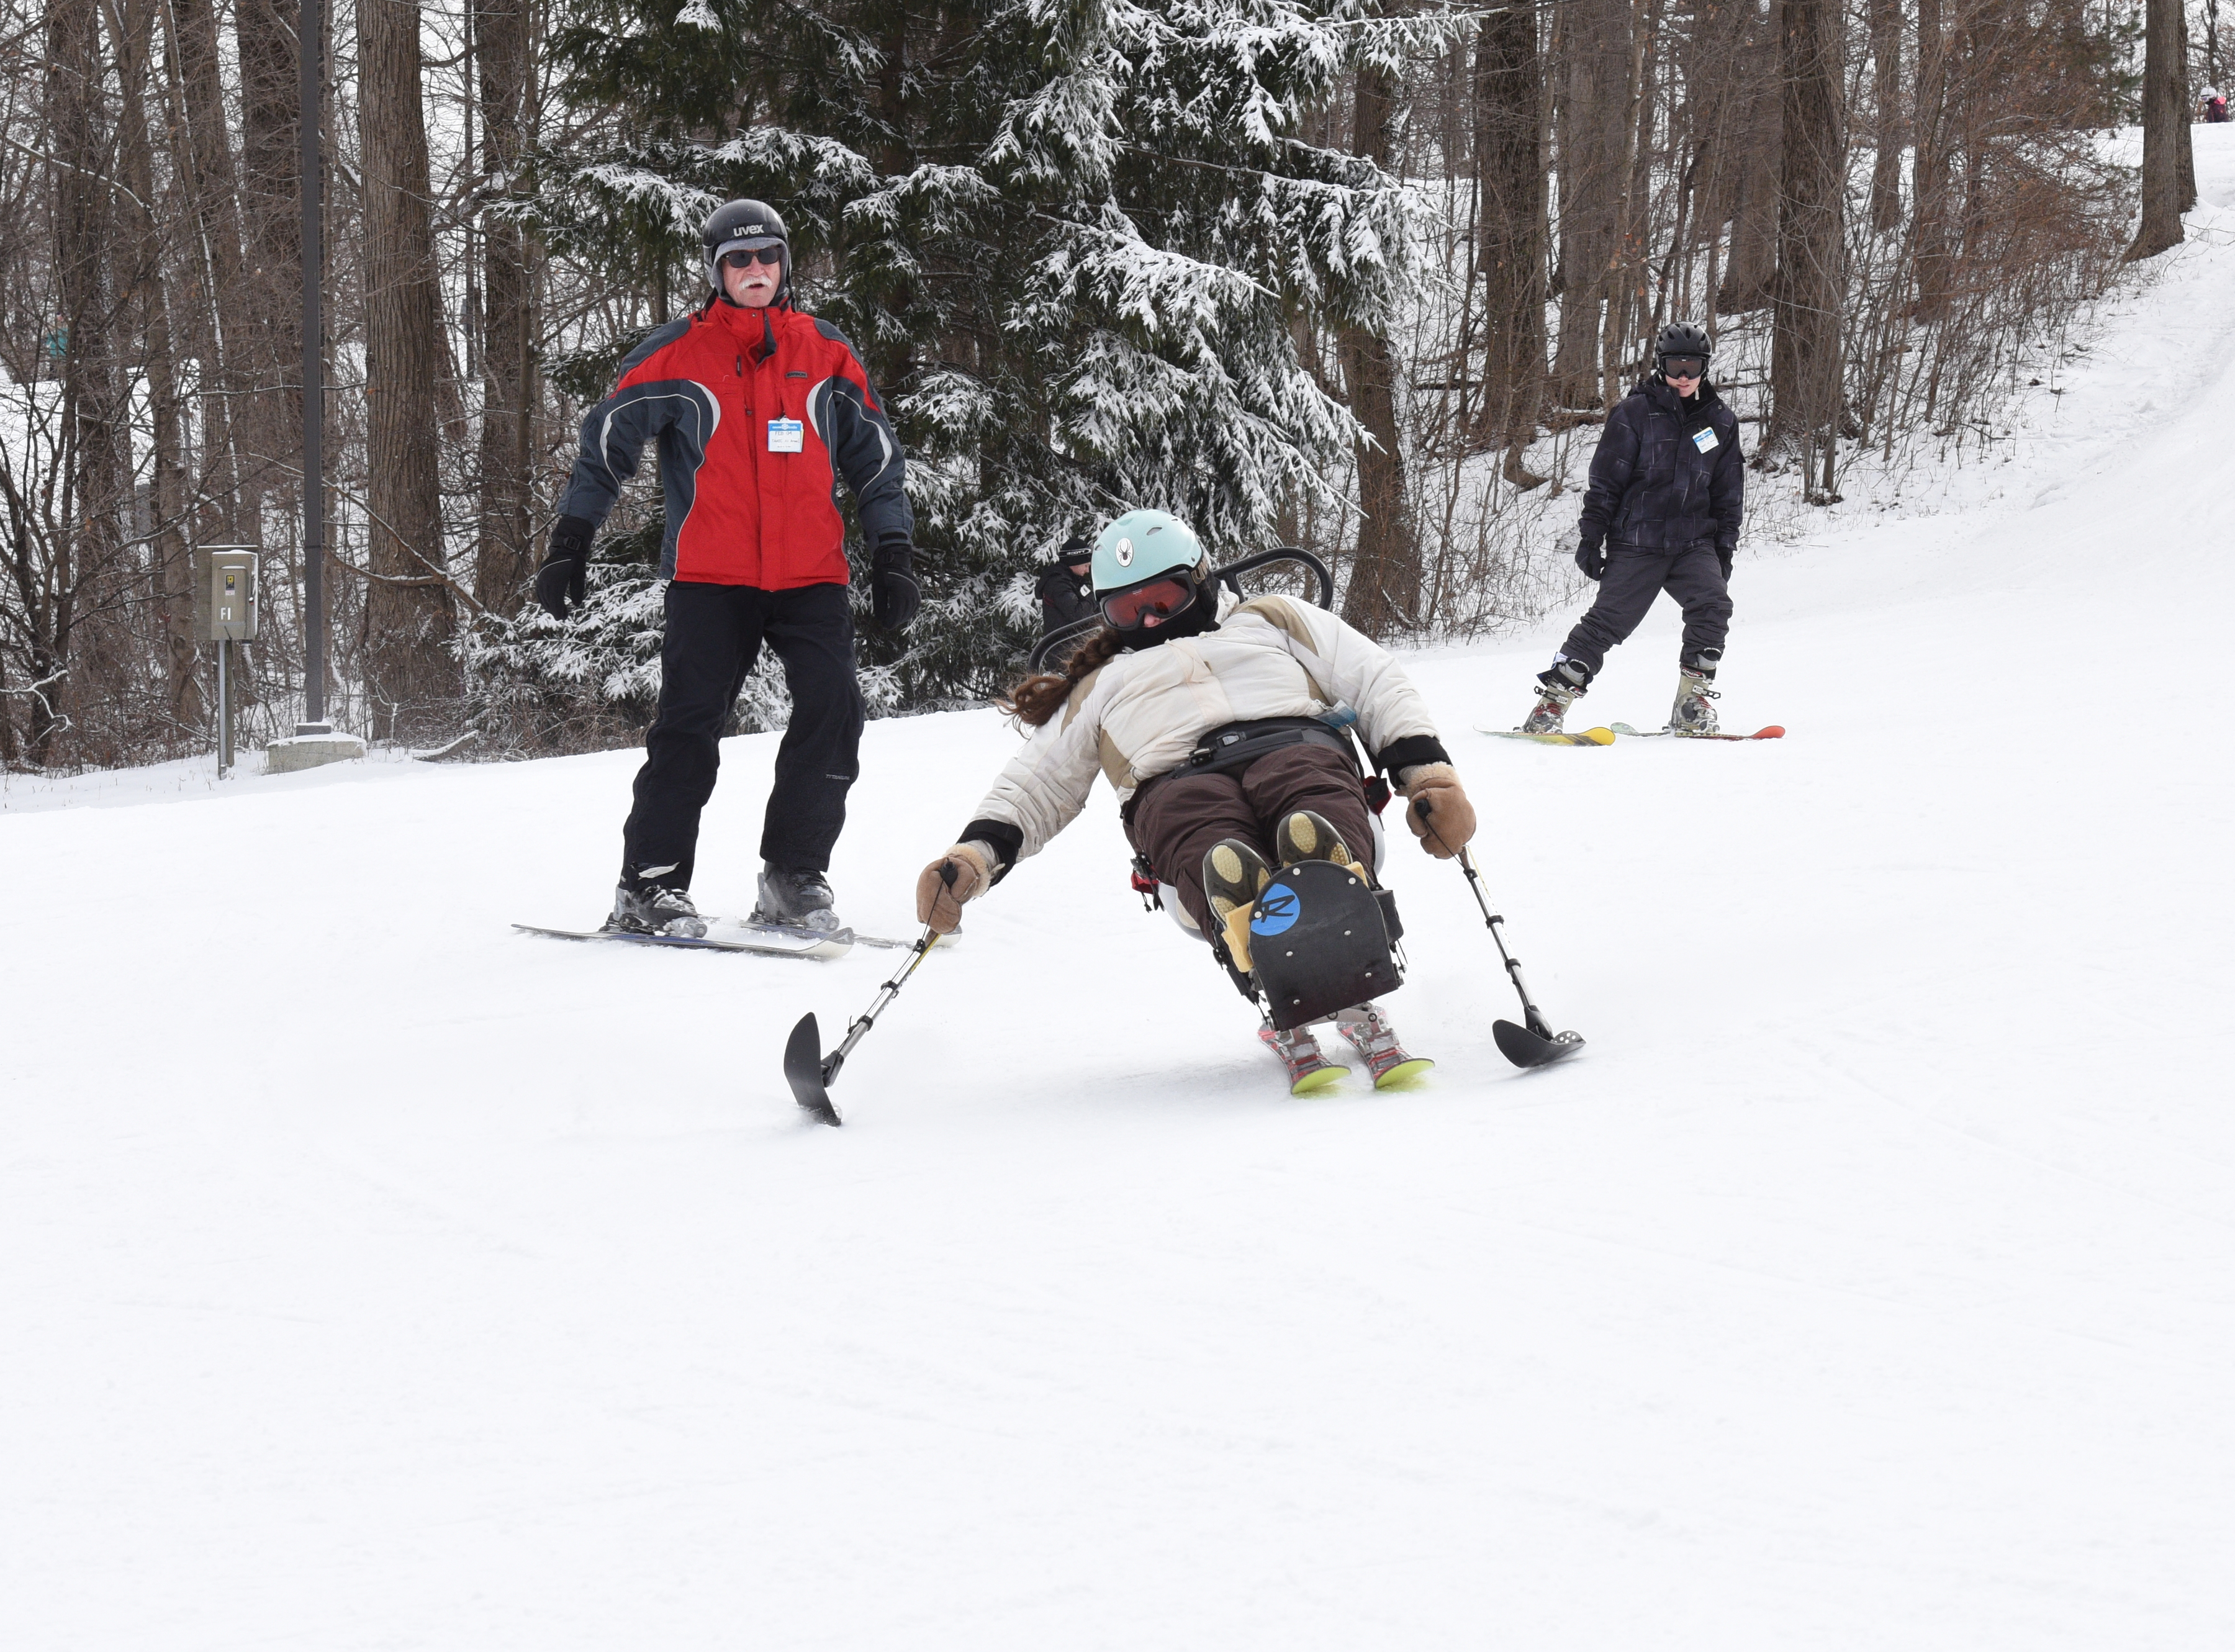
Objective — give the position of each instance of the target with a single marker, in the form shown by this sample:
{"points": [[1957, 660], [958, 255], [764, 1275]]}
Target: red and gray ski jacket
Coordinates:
{"points": [[758, 414]]}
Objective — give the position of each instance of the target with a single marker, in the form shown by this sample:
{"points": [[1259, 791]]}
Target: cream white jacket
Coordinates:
{"points": [[1140, 715]]}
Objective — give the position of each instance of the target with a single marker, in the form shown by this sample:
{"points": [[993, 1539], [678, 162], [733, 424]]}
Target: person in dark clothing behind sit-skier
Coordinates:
{"points": [[1667, 491], [757, 409], [1065, 587]]}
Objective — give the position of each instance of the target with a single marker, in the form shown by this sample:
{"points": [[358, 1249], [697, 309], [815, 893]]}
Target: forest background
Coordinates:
{"points": [[1361, 277]]}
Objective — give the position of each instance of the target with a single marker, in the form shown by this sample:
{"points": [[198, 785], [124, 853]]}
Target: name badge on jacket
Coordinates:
{"points": [[784, 436], [1703, 440]]}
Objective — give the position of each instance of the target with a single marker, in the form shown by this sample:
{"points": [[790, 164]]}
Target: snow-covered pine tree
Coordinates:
{"points": [[1077, 241]]}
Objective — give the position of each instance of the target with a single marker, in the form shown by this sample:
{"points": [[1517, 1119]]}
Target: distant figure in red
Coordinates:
{"points": [[2215, 105]]}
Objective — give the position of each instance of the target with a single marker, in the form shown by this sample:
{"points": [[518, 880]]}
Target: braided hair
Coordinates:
{"points": [[1039, 697]]}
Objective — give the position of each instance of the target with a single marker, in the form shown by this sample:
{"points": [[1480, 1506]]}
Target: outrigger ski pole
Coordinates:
{"points": [[808, 1071], [1535, 1045]]}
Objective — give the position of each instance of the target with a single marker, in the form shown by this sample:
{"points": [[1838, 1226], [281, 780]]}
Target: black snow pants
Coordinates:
{"points": [[1693, 576], [714, 635]]}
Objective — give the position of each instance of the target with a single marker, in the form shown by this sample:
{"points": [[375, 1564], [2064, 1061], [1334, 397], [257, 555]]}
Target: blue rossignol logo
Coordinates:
{"points": [[1277, 910]]}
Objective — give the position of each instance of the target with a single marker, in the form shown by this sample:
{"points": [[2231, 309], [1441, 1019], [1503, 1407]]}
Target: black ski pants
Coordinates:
{"points": [[1693, 576], [714, 635]]}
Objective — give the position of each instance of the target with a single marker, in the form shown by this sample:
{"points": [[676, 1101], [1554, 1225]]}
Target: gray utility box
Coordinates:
{"points": [[225, 593]]}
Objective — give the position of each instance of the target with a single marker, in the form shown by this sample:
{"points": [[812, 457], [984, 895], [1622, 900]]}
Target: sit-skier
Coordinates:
{"points": [[1667, 494], [1209, 729]]}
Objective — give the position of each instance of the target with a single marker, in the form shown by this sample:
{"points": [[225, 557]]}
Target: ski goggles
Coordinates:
{"points": [[744, 258], [1683, 366], [1160, 598]]}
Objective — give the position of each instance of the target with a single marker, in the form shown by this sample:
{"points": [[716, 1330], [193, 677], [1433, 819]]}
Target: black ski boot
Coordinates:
{"points": [[1562, 685], [796, 898], [1694, 711], [655, 910]]}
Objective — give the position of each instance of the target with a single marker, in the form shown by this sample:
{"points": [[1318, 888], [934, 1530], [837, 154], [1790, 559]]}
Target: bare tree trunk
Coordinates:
{"points": [[223, 324], [1513, 233], [408, 615], [1592, 129], [1625, 272], [1805, 352], [268, 424], [1384, 595], [2184, 99], [1932, 255], [86, 528], [170, 563], [503, 553], [1750, 275], [2163, 118], [1885, 90]]}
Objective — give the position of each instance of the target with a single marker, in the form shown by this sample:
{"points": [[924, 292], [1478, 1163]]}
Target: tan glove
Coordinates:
{"points": [[939, 903], [1449, 812]]}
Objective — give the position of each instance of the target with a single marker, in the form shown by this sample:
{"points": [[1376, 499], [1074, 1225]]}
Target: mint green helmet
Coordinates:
{"points": [[1142, 544]]}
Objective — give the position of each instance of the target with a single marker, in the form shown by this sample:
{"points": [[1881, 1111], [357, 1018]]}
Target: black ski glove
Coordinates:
{"points": [[564, 575], [1591, 558], [1723, 555], [893, 594]]}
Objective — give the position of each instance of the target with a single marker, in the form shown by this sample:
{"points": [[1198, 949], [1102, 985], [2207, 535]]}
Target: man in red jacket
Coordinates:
{"points": [[758, 411]]}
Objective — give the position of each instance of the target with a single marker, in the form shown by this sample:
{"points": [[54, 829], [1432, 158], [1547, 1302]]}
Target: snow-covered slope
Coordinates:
{"points": [[376, 1277]]}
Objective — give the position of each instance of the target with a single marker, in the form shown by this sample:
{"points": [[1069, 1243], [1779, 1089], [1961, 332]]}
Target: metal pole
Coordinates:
{"points": [[224, 712], [310, 32]]}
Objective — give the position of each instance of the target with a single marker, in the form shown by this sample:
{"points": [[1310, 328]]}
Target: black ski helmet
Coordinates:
{"points": [[736, 223], [1681, 338]]}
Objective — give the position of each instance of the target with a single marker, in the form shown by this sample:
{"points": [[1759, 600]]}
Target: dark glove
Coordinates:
{"points": [[1591, 558], [1724, 557], [564, 576], [893, 594]]}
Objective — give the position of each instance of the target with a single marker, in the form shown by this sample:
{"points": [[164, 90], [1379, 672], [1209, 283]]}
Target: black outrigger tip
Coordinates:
{"points": [[1525, 1048], [802, 1067], [810, 1072]]}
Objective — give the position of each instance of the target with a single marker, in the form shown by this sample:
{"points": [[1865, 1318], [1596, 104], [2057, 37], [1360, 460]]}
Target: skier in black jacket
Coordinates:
{"points": [[1667, 489], [1065, 587]]}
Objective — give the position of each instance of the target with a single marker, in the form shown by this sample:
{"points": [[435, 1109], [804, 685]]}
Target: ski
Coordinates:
{"points": [[767, 939], [1588, 737], [1389, 1065], [1774, 731], [1366, 1030]]}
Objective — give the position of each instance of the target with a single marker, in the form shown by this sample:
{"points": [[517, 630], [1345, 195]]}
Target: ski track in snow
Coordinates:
{"points": [[377, 1277]]}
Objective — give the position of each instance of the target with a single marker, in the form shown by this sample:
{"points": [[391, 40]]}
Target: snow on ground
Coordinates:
{"points": [[376, 1277]]}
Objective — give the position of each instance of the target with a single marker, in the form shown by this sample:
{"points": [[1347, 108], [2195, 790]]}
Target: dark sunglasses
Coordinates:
{"points": [[745, 256], [1159, 599], [1683, 366]]}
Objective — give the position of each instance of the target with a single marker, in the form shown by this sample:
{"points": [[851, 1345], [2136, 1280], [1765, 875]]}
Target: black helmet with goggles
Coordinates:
{"points": [[747, 231]]}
